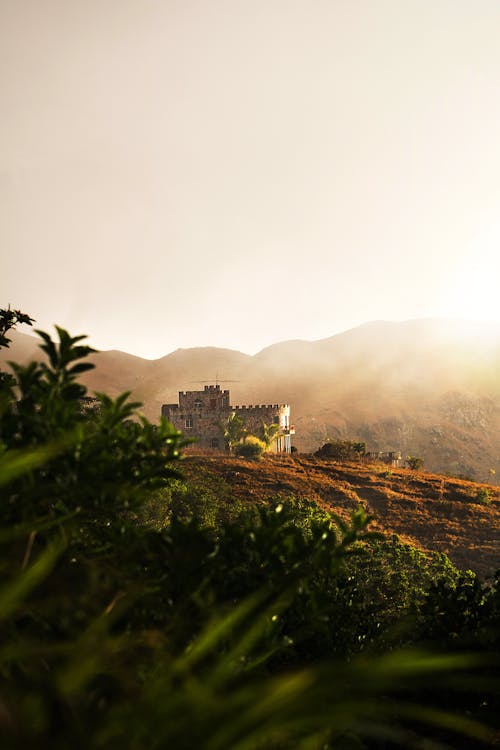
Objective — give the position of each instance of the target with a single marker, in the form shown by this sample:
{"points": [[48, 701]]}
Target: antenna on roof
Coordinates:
{"points": [[217, 381]]}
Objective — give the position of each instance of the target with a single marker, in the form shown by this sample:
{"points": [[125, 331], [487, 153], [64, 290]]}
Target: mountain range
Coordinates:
{"points": [[425, 387]]}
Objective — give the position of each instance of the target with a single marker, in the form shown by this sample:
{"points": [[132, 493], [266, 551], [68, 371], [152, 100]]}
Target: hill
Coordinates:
{"points": [[425, 387], [429, 511]]}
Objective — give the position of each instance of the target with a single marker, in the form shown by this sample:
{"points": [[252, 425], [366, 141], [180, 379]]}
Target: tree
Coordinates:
{"points": [[234, 430], [269, 433], [8, 320], [98, 465], [342, 450], [414, 463]]}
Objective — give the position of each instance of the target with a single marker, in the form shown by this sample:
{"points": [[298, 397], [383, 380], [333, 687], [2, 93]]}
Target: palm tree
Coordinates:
{"points": [[234, 430], [269, 433]]}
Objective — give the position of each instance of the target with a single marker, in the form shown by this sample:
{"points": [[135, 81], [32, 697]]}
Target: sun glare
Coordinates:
{"points": [[473, 291]]}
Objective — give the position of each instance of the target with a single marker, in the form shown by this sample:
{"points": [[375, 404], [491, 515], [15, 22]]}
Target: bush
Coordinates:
{"points": [[415, 463], [483, 495], [251, 447], [342, 450]]}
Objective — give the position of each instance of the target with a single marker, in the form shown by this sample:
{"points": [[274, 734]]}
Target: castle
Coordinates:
{"points": [[201, 415]]}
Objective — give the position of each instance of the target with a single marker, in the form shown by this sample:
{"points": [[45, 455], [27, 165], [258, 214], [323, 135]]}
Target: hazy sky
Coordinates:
{"points": [[178, 173]]}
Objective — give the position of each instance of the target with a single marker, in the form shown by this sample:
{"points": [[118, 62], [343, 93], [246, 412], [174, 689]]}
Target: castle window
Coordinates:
{"points": [[198, 403], [276, 420], [189, 423], [214, 443]]}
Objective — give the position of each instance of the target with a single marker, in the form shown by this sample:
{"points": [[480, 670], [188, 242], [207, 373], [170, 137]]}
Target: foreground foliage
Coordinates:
{"points": [[203, 625]]}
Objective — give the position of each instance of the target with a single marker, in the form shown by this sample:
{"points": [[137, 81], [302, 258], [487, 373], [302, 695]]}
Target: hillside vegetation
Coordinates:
{"points": [[149, 602], [429, 511]]}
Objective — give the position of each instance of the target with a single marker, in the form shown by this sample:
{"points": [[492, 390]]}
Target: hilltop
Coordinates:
{"points": [[426, 387], [428, 511]]}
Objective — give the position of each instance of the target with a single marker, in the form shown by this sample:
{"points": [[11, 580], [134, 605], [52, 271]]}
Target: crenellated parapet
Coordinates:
{"points": [[210, 390], [260, 406]]}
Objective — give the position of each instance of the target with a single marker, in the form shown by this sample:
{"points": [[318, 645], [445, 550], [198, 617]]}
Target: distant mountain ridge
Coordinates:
{"points": [[426, 387]]}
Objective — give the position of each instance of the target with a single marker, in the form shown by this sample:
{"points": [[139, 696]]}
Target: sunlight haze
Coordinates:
{"points": [[233, 173]]}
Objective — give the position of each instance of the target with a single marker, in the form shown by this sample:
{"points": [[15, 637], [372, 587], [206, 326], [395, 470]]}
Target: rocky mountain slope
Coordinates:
{"points": [[428, 387]]}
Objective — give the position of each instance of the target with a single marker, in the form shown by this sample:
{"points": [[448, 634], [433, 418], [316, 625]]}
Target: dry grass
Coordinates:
{"points": [[429, 511]]}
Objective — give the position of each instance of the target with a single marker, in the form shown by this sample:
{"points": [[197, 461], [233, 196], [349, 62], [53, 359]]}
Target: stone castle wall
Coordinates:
{"points": [[253, 416], [201, 414]]}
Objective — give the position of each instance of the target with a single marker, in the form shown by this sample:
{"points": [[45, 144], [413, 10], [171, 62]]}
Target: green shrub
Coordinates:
{"points": [[483, 495], [342, 450], [251, 447], [415, 463]]}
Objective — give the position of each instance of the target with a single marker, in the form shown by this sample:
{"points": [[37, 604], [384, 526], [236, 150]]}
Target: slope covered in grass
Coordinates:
{"points": [[429, 511]]}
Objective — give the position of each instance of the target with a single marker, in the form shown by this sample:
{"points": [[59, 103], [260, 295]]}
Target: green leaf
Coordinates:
{"points": [[14, 464], [82, 367], [48, 347], [13, 594]]}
